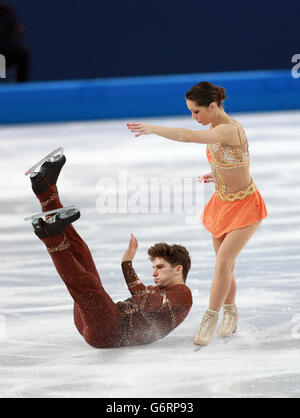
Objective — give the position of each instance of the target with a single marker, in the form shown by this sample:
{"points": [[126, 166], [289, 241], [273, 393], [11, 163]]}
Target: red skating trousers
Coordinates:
{"points": [[96, 316]]}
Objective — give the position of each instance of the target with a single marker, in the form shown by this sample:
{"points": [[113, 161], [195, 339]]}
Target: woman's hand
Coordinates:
{"points": [[206, 178], [140, 128], [131, 250]]}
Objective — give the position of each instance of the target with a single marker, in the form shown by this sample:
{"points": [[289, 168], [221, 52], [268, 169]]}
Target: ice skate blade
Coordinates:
{"points": [[64, 214], [52, 156], [67, 213], [51, 212]]}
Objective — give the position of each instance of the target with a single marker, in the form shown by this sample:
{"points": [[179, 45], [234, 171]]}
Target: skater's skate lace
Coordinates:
{"points": [[206, 324]]}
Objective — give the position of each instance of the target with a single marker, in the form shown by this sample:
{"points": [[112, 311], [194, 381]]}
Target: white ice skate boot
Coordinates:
{"points": [[207, 328], [229, 322]]}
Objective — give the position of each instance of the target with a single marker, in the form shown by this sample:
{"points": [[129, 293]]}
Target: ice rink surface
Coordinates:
{"points": [[41, 353]]}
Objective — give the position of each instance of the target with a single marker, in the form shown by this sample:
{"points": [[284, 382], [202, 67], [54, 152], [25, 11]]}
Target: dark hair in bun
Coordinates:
{"points": [[205, 93]]}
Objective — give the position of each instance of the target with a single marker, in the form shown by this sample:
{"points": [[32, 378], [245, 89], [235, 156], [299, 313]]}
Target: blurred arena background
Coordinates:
{"points": [[75, 39], [88, 49]]}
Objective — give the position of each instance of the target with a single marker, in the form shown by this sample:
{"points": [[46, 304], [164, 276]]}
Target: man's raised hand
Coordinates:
{"points": [[131, 250]]}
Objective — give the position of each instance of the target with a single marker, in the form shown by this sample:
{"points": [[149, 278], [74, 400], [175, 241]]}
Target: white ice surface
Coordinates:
{"points": [[41, 353]]}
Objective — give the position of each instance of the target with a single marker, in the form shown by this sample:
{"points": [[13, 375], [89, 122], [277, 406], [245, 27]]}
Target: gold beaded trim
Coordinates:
{"points": [[63, 245], [51, 198], [240, 195]]}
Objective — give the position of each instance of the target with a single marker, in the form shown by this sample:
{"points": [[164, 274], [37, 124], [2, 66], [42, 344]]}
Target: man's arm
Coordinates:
{"points": [[147, 300], [130, 276]]}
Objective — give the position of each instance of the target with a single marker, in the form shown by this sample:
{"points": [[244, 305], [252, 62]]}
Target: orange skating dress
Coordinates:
{"points": [[236, 202]]}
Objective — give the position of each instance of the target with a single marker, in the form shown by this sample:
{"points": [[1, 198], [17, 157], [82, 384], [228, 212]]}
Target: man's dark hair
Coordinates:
{"points": [[176, 255]]}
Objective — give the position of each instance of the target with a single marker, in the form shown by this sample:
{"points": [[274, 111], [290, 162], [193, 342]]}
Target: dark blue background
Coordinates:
{"points": [[71, 39]]}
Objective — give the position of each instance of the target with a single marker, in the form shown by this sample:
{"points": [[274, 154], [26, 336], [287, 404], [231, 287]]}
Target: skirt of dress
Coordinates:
{"points": [[221, 217]]}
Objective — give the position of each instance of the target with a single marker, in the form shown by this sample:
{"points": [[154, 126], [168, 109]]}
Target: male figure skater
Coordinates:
{"points": [[150, 314]]}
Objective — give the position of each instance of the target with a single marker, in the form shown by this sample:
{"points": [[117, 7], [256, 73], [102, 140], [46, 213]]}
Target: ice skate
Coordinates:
{"points": [[207, 328], [228, 325], [49, 212], [56, 224], [52, 154], [49, 169]]}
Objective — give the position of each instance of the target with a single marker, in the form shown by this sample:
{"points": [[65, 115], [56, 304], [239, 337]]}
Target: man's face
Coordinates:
{"points": [[163, 273]]}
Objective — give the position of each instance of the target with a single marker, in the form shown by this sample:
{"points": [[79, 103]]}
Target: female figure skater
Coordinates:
{"points": [[235, 210]]}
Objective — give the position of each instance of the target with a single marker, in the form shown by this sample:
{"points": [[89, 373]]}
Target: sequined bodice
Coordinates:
{"points": [[227, 156], [230, 164]]}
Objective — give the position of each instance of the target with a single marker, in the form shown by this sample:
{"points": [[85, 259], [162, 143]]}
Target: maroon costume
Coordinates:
{"points": [[150, 314]]}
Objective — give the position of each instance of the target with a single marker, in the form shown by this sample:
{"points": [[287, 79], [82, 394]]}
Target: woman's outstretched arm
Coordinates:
{"points": [[215, 135]]}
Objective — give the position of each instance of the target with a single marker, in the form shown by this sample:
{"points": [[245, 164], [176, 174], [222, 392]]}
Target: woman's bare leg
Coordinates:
{"points": [[223, 286], [231, 295], [230, 299]]}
